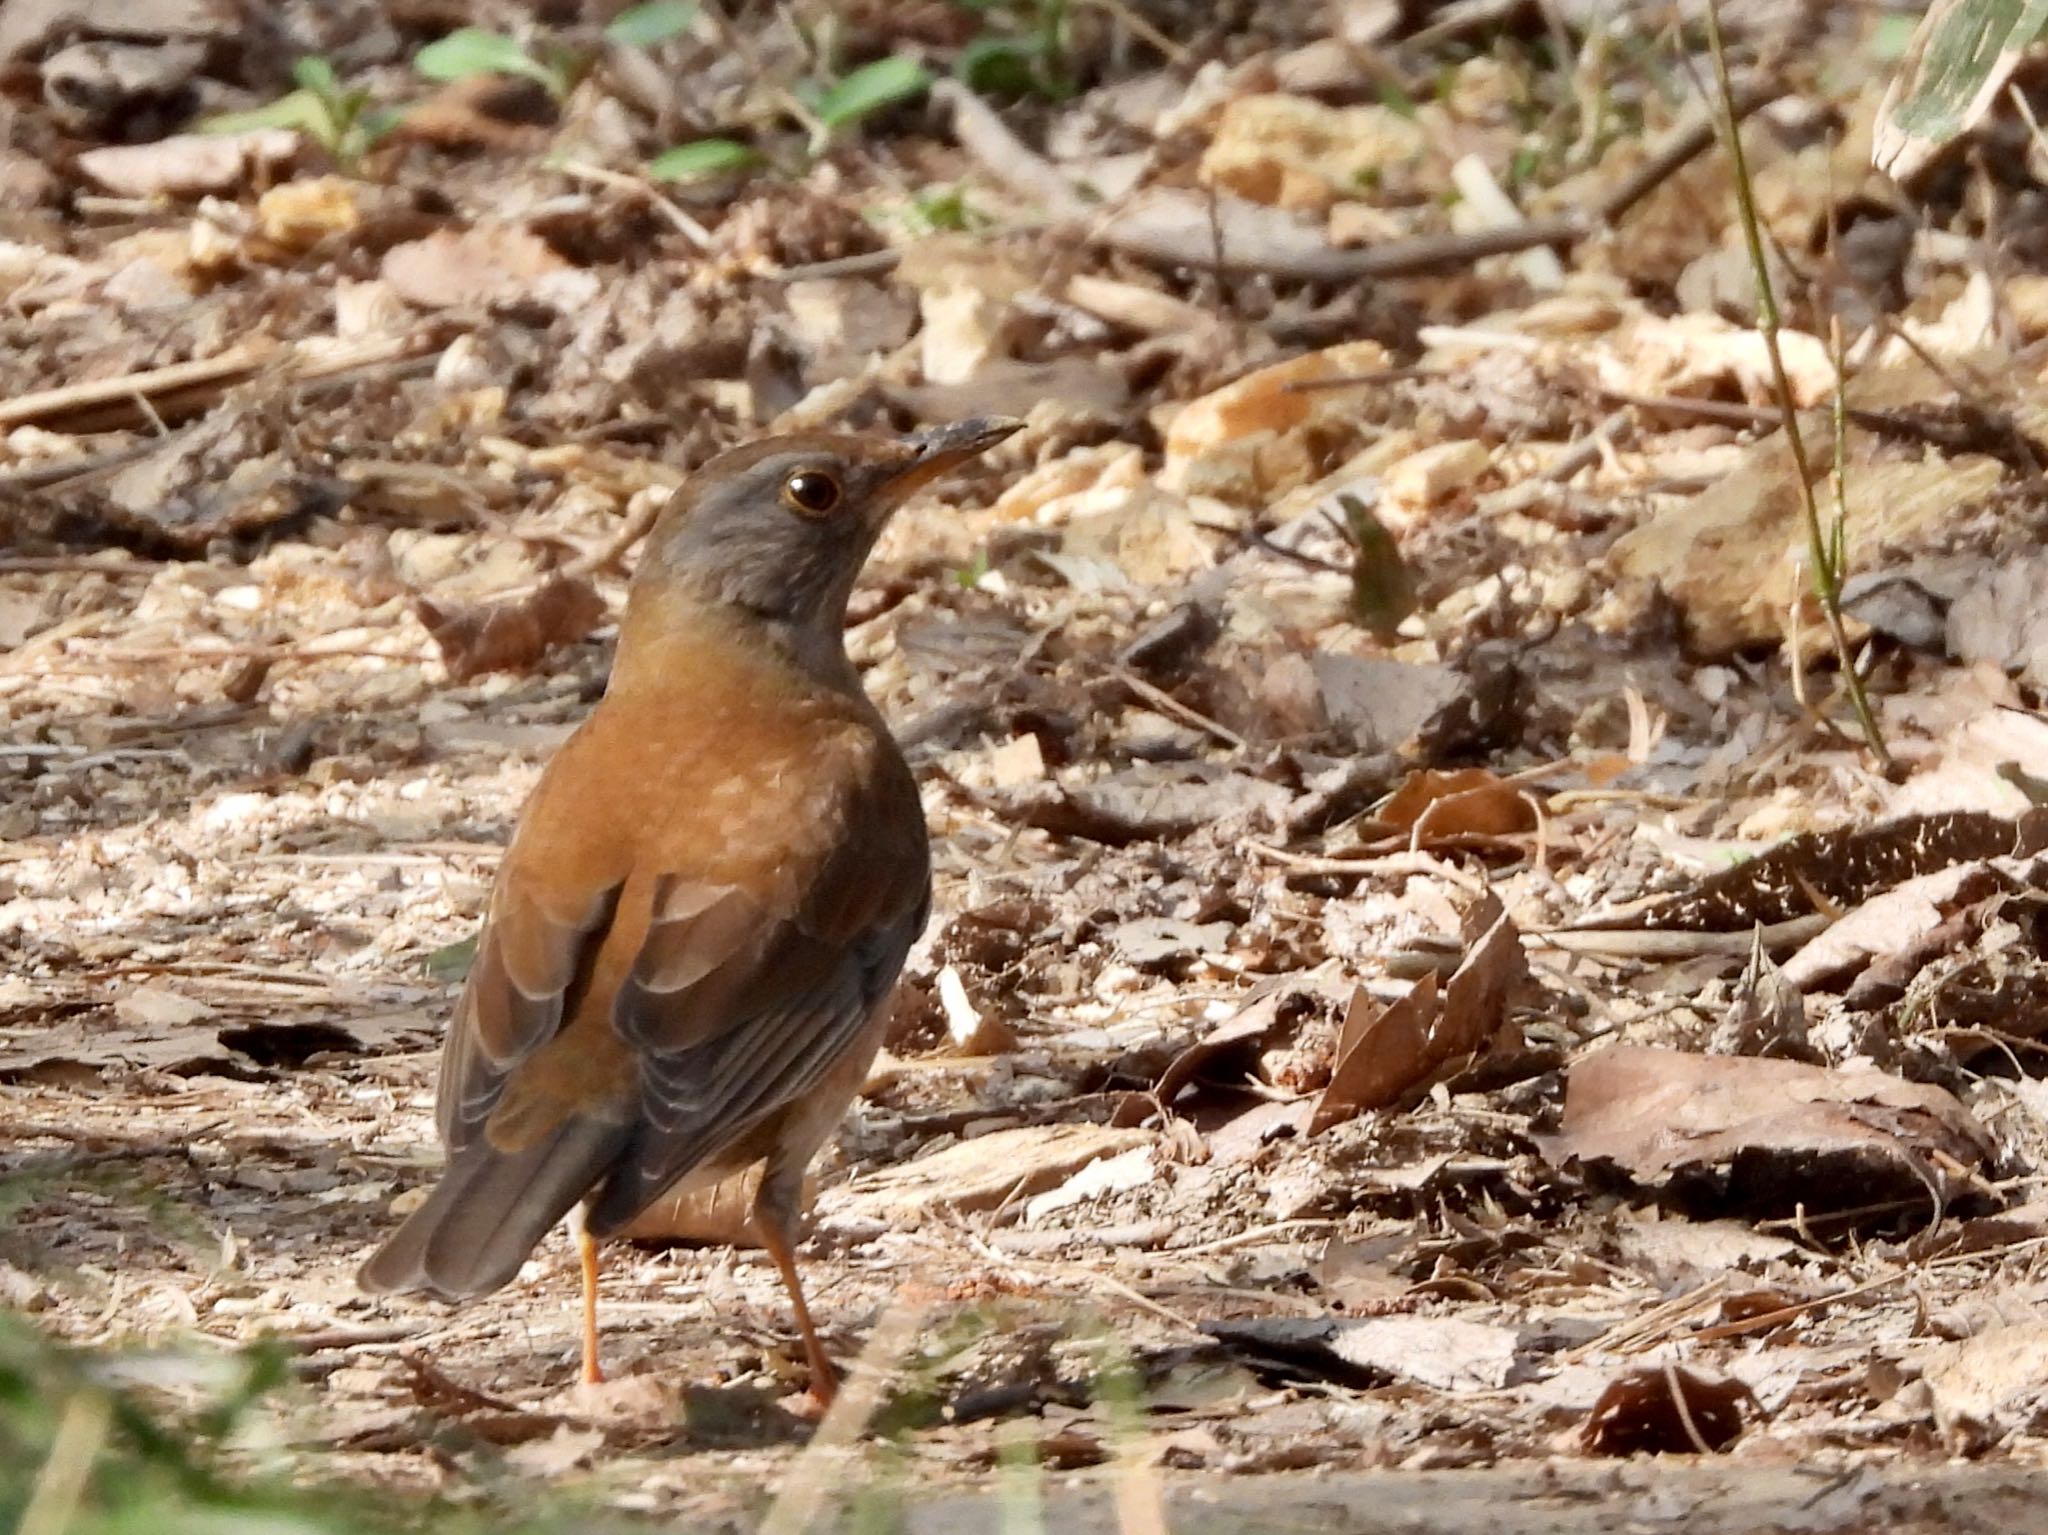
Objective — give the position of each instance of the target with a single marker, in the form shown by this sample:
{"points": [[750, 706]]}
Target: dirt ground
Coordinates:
{"points": [[1425, 1000]]}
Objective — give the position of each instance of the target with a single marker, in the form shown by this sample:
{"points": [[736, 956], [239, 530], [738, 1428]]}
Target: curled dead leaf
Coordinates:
{"points": [[1438, 804], [1396, 1054], [511, 636], [1664, 1410]]}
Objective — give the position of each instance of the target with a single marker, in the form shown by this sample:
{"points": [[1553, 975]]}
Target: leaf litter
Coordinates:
{"points": [[1369, 720]]}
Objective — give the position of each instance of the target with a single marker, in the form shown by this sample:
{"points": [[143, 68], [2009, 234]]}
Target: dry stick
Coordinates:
{"points": [[1166, 703], [1388, 863], [619, 181], [63, 471], [1172, 228], [1678, 1401], [1827, 576], [186, 385], [1588, 449], [1678, 943], [46, 403]]}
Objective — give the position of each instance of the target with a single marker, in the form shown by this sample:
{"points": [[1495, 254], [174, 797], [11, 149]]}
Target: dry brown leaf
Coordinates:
{"points": [[1665, 1410], [511, 636], [1836, 870], [1257, 437], [490, 264], [1395, 1055], [1767, 1134], [1438, 803], [989, 1170], [190, 164], [300, 214], [1732, 558], [1991, 1385]]}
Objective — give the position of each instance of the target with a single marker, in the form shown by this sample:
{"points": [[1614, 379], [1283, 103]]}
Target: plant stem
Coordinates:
{"points": [[1826, 555]]}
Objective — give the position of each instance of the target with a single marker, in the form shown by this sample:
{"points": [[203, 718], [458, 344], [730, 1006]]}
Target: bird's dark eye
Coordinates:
{"points": [[811, 491]]}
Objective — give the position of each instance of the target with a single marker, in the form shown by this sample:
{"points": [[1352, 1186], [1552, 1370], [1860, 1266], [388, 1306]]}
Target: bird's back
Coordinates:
{"points": [[712, 888]]}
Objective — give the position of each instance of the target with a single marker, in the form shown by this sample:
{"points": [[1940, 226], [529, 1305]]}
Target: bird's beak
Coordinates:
{"points": [[931, 453]]}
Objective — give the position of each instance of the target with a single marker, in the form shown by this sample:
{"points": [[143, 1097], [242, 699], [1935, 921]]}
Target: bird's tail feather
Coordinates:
{"points": [[490, 1210]]}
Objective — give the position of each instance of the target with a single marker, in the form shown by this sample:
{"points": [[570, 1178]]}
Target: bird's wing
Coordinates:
{"points": [[745, 991], [764, 921], [532, 962]]}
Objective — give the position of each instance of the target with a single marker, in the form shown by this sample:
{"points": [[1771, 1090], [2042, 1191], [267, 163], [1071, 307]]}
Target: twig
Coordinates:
{"points": [[867, 264], [1827, 572], [1174, 52], [1589, 448], [1684, 1409], [45, 404], [641, 187], [1166, 703], [1391, 863], [1172, 227], [185, 387], [1675, 943]]}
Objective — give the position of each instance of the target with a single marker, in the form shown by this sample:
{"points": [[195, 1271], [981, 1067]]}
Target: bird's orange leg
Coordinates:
{"points": [[824, 1378], [586, 1247]]}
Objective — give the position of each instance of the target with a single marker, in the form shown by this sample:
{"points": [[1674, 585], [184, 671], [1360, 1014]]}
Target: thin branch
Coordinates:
{"points": [[1827, 575]]}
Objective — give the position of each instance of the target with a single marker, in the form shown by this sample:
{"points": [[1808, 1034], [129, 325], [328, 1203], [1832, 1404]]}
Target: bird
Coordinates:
{"points": [[687, 952]]}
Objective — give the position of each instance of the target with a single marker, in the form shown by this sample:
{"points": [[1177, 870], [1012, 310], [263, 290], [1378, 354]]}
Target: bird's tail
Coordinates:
{"points": [[490, 1210]]}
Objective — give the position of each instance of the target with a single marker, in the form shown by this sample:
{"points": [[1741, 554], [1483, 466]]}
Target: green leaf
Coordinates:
{"points": [[1956, 67], [302, 110], [1011, 66], [474, 51], [317, 75], [452, 963], [655, 22], [701, 157], [870, 88], [1382, 590]]}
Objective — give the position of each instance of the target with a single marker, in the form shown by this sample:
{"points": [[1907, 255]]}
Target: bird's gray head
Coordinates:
{"points": [[778, 529]]}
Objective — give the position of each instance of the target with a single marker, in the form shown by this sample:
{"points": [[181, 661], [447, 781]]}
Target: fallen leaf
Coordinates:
{"points": [[149, 1007], [1394, 1055], [1109, 1175], [1665, 1410], [1767, 1015], [1149, 802], [190, 164], [1426, 712], [988, 1170], [1763, 1134], [1890, 925], [1259, 436], [489, 264], [1990, 1386], [1841, 868], [1290, 151], [1437, 804], [1732, 558], [2003, 618], [512, 635]]}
